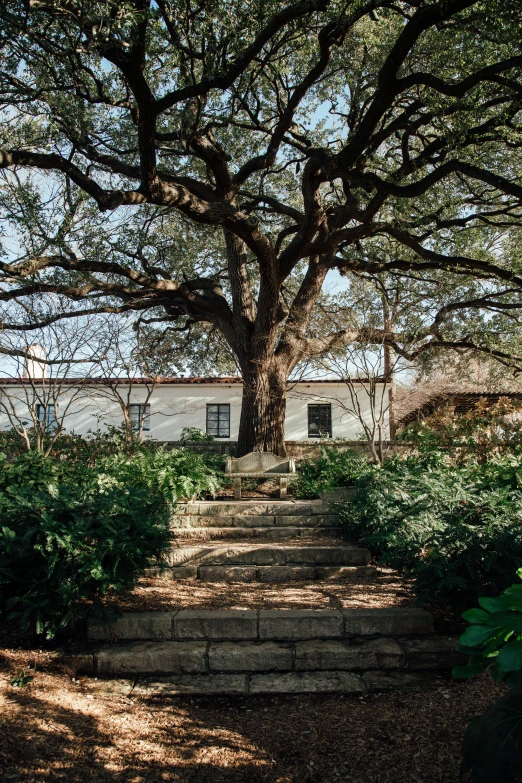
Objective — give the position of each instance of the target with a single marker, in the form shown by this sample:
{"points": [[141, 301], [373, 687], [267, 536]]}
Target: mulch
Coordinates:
{"points": [[165, 594], [58, 728]]}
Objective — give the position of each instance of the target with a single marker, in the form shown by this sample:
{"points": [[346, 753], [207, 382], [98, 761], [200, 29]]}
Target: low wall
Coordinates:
{"points": [[298, 449]]}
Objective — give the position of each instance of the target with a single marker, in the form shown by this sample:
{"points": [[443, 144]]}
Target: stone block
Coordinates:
{"points": [[252, 555], [297, 508], [343, 655], [249, 657], [346, 572], [132, 625], [195, 685], [307, 682], [181, 572], [290, 624], [385, 681], [328, 555], [182, 555], [227, 573], [395, 621], [274, 533], [242, 508], [152, 658], [307, 520], [238, 520], [216, 624], [434, 653], [285, 573]]}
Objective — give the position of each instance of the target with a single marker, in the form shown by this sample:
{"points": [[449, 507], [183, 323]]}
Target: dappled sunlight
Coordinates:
{"points": [[161, 593], [64, 729]]}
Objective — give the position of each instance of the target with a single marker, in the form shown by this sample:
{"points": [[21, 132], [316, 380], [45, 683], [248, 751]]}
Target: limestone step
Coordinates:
{"points": [[267, 554], [247, 508], [253, 573], [266, 533], [245, 652], [308, 521], [262, 624]]}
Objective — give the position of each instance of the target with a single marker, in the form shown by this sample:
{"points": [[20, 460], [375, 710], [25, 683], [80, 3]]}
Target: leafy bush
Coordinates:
{"points": [[457, 530], [492, 746], [79, 523], [169, 473], [194, 433], [65, 546], [332, 468]]}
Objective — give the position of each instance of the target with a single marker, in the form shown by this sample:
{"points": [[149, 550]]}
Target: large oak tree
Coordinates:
{"points": [[300, 136]]}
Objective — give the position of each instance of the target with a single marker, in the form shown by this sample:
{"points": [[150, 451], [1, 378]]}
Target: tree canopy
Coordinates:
{"points": [[265, 144]]}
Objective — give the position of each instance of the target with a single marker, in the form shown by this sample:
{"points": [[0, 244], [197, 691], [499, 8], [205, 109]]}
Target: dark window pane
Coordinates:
{"points": [[319, 421], [218, 420]]}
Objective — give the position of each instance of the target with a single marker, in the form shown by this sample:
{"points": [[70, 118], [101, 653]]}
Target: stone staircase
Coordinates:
{"points": [[244, 652], [270, 541]]}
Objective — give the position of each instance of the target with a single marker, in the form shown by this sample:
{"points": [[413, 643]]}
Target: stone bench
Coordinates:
{"points": [[260, 464]]}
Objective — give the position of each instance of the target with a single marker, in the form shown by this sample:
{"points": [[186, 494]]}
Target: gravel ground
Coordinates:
{"points": [[56, 729], [163, 594]]}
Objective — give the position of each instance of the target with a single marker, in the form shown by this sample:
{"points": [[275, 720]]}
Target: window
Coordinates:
{"points": [[46, 415], [319, 421], [218, 421], [139, 414]]}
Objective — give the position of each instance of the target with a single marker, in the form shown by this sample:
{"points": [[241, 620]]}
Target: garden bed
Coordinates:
{"points": [[58, 728]]}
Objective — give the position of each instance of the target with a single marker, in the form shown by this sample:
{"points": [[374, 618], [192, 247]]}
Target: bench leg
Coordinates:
{"points": [[283, 486], [237, 488]]}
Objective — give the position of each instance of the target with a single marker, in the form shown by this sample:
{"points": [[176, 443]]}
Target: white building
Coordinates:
{"points": [[316, 408]]}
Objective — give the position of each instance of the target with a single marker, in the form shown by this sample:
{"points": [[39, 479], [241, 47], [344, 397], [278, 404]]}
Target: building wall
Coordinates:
{"points": [[176, 406]]}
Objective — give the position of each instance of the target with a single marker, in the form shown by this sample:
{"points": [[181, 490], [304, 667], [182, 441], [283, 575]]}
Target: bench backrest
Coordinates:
{"points": [[260, 462]]}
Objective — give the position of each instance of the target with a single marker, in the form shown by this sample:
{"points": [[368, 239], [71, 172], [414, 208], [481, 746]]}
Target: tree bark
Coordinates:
{"points": [[262, 423]]}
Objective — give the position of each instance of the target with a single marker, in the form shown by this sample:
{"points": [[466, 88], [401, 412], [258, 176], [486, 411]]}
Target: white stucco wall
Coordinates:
{"points": [[175, 406]]}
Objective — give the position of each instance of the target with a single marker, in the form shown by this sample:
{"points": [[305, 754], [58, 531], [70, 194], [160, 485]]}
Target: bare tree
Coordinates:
{"points": [[43, 383]]}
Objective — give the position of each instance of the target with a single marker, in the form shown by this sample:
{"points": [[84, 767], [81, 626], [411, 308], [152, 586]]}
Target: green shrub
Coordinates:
{"points": [[457, 530], [492, 746], [63, 548], [170, 473], [332, 468], [79, 523]]}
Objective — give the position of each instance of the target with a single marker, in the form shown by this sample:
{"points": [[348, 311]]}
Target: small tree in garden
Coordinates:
{"points": [[47, 380]]}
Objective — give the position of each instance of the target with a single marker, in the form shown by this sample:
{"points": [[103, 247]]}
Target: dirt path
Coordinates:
{"points": [[57, 730]]}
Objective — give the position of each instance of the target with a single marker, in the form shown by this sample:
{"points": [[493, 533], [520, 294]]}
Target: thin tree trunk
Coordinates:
{"points": [[262, 423]]}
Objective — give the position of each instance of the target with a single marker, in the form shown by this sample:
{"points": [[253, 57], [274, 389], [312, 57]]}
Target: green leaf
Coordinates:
{"points": [[476, 616], [471, 670], [510, 657], [476, 635]]}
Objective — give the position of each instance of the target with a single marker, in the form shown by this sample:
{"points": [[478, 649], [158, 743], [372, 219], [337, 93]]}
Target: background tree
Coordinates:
{"points": [[287, 138]]}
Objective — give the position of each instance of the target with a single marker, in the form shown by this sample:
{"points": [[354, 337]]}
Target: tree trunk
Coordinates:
{"points": [[262, 423]]}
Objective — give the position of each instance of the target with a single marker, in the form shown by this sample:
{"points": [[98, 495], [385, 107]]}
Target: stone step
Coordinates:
{"points": [[268, 554], [262, 624], [286, 533], [239, 667], [310, 521], [253, 573], [253, 508]]}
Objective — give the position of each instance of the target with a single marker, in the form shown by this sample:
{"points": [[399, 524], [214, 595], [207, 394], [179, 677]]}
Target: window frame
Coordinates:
{"points": [[142, 410], [218, 405], [320, 434], [46, 415]]}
